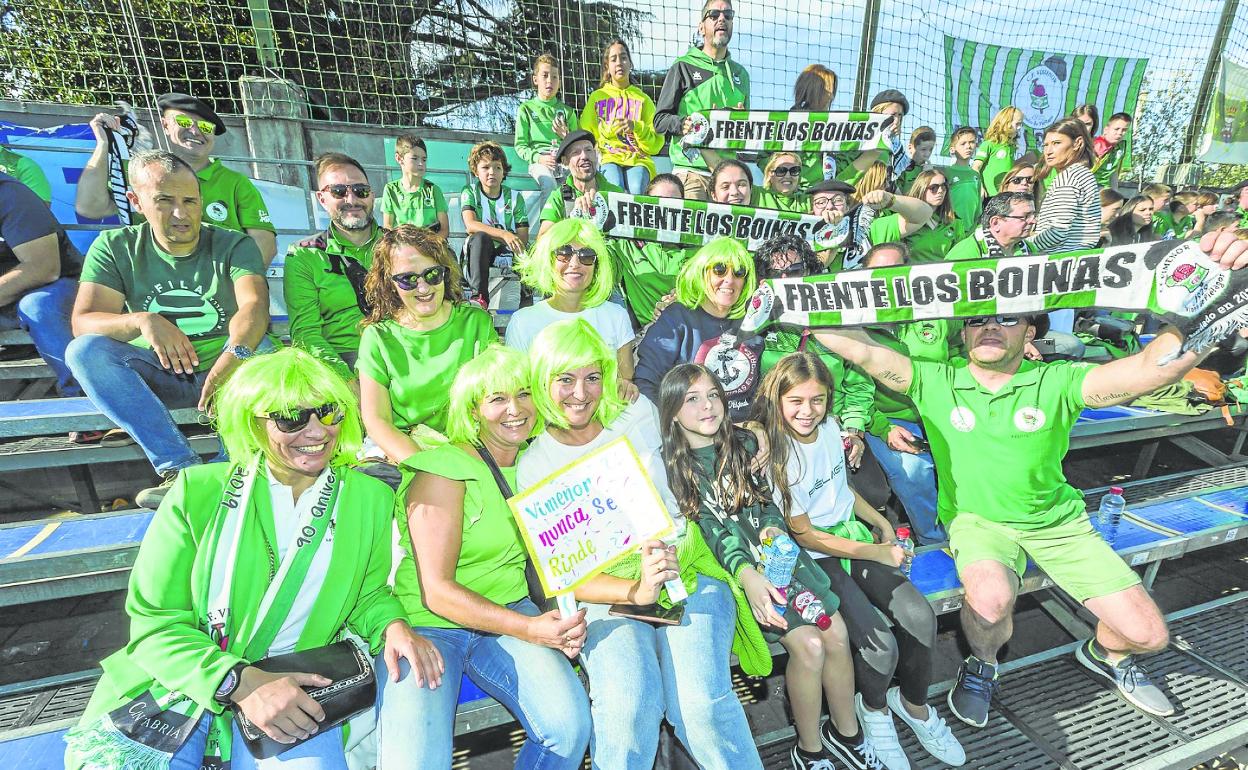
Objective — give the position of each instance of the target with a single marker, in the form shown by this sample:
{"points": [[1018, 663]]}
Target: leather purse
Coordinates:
{"points": [[353, 689]]}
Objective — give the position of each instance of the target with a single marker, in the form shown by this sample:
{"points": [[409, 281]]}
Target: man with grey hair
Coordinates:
{"points": [[165, 310], [1008, 218]]}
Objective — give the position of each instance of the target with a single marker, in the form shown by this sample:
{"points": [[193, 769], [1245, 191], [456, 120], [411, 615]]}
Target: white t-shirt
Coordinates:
{"points": [[608, 319], [286, 514], [818, 482]]}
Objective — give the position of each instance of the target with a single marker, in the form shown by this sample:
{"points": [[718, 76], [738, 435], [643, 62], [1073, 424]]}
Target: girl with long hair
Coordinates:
{"points": [[924, 218], [621, 117], [999, 148], [1134, 224]]}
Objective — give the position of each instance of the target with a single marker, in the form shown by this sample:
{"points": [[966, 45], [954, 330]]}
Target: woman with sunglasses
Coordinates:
{"points": [[924, 219], [462, 582], [418, 333], [1020, 177], [275, 552], [568, 264], [781, 180], [703, 326]]}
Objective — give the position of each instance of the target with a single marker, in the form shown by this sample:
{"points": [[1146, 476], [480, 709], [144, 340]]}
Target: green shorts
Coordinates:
{"points": [[1072, 554]]}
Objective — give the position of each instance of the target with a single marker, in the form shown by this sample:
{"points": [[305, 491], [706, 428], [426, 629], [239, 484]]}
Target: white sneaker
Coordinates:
{"points": [[880, 732], [932, 732]]}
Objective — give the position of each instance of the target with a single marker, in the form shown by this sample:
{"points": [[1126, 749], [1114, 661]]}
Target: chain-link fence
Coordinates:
{"points": [[465, 63]]}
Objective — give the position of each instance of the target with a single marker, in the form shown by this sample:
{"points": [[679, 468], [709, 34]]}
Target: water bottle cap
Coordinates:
{"points": [[823, 622], [903, 532], [1116, 491]]}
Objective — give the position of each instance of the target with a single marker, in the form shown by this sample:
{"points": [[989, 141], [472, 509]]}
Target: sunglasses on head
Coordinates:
{"points": [[206, 127], [432, 276], [786, 170], [1004, 321], [715, 14], [586, 256], [293, 422], [339, 191], [721, 269]]}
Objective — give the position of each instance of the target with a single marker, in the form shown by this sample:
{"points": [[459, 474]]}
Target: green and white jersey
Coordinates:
{"points": [[507, 211]]}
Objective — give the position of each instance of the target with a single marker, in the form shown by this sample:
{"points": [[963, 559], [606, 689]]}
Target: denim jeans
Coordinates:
{"points": [[322, 751], [913, 478], [631, 179], [128, 384], [44, 313], [638, 672], [415, 725]]}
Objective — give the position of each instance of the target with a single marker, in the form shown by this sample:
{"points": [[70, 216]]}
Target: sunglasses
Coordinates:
{"points": [[721, 269], [786, 170], [937, 187], [795, 270], [206, 127], [293, 422], [1004, 321], [431, 275], [1027, 180], [715, 14], [586, 256], [340, 191]]}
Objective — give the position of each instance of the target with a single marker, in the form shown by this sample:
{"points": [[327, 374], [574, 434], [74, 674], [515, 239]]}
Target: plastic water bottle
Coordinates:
{"points": [[811, 609], [779, 560], [1110, 513], [907, 545]]}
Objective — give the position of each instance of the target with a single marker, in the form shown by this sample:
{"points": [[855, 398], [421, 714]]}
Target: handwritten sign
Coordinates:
{"points": [[588, 515]]}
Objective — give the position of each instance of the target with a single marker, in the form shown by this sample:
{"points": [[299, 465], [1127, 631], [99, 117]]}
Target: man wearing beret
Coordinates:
{"points": [[579, 153], [230, 199]]}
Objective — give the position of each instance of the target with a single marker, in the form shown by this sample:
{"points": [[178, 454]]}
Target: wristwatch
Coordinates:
{"points": [[241, 352], [229, 684]]}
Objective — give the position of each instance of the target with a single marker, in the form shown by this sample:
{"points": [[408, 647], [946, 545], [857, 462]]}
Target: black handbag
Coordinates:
{"points": [[353, 689], [536, 594]]}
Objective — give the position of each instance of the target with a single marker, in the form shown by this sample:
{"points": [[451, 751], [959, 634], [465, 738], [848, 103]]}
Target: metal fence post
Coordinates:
{"points": [[866, 51], [266, 39], [1205, 94]]}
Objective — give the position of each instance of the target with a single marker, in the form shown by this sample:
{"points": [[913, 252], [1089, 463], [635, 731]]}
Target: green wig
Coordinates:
{"points": [[537, 265], [496, 369], [693, 286], [283, 381], [562, 347]]}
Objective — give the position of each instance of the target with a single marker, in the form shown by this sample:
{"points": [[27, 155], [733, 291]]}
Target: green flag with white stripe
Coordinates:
{"points": [[982, 79]]}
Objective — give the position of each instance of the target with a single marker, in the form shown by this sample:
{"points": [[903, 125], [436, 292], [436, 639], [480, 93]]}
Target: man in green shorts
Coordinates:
{"points": [[1008, 218], [323, 280], [995, 411], [230, 199]]}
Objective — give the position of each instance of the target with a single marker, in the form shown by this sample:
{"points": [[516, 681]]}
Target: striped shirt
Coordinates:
{"points": [[1070, 215]]}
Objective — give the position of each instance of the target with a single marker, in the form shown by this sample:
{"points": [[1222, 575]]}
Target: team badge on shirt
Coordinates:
{"points": [[1030, 419], [217, 211], [962, 419]]}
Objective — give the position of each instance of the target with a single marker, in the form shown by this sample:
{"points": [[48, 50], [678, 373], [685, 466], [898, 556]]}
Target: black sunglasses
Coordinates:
{"points": [[1004, 321], [432, 275], [721, 269], [715, 14], [937, 187], [795, 270], [339, 191], [1027, 180], [586, 256], [786, 170], [293, 422]]}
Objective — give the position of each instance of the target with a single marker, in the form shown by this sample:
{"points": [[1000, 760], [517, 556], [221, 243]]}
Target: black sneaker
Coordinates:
{"points": [[800, 762], [971, 698], [1130, 677], [860, 756], [150, 498]]}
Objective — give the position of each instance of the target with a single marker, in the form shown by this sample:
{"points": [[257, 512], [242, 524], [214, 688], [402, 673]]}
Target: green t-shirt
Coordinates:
{"points": [[647, 272], [419, 367], [324, 311], [507, 211], [927, 340], [535, 132], [231, 200], [26, 171], [853, 391], [997, 159], [420, 208], [964, 193], [766, 199], [491, 554], [999, 455], [928, 244], [1164, 225], [1110, 163], [556, 206], [195, 292]]}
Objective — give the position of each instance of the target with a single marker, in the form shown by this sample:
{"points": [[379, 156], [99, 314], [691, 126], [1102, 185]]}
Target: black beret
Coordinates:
{"points": [[832, 186], [188, 103], [892, 95], [574, 136]]}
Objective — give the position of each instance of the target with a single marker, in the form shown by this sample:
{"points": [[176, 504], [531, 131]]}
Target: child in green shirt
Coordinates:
{"points": [[541, 122], [1000, 145], [964, 181], [412, 199]]}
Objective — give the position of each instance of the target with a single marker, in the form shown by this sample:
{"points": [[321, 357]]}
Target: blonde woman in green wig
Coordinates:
{"points": [[570, 264], [639, 672], [273, 553], [462, 583], [703, 326]]}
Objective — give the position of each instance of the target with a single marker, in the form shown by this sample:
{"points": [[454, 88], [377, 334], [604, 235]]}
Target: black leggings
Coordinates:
{"points": [[873, 598]]}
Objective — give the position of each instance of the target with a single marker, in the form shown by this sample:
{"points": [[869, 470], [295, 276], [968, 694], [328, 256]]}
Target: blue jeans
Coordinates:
{"points": [[631, 179], [415, 725], [322, 751], [128, 384], [44, 313], [638, 672], [913, 478]]}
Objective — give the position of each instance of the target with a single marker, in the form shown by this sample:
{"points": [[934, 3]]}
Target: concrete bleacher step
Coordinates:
{"points": [[59, 451]]}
